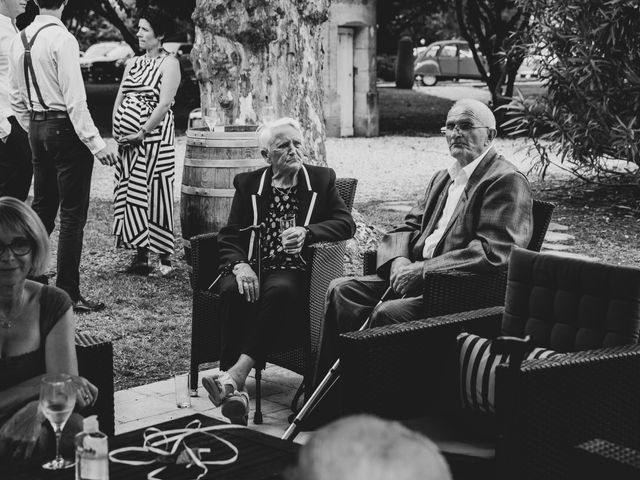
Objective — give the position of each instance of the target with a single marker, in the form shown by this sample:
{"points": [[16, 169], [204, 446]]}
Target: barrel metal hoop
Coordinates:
{"points": [[208, 192], [214, 163]]}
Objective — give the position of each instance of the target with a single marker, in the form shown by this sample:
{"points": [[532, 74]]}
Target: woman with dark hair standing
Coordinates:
{"points": [[143, 126]]}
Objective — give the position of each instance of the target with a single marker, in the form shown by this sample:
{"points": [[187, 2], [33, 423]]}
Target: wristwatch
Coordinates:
{"points": [[144, 131]]}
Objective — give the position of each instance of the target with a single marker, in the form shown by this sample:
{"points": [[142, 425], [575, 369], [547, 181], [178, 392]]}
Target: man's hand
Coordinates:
{"points": [[406, 276], [247, 281], [107, 156], [293, 239], [20, 435]]}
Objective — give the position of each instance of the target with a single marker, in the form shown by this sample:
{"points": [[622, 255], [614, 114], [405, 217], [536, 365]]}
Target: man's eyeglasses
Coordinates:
{"points": [[461, 127], [20, 247]]}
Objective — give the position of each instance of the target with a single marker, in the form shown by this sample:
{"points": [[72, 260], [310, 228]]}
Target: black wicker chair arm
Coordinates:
{"points": [[566, 400], [449, 291], [95, 363], [472, 320], [369, 262], [418, 355], [327, 263], [204, 259]]}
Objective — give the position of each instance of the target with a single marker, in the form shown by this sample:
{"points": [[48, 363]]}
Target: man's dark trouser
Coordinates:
{"points": [[350, 301], [15, 163], [62, 167]]}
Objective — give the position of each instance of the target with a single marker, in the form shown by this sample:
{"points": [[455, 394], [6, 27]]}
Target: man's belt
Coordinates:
{"points": [[48, 115]]}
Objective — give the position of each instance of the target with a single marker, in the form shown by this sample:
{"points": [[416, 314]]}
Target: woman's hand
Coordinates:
{"points": [[86, 392], [247, 280], [20, 435], [293, 239], [131, 140]]}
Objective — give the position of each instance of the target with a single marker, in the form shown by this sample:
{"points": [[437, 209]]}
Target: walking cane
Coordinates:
{"points": [[327, 383], [255, 228]]}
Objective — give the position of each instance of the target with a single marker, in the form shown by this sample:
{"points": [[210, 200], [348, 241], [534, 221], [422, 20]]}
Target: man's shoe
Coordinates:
{"points": [[236, 407], [82, 305]]}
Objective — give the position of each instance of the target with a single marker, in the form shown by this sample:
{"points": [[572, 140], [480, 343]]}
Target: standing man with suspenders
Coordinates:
{"points": [[50, 102], [15, 155]]}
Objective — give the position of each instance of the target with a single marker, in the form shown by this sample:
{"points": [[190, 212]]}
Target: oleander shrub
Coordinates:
{"points": [[590, 52]]}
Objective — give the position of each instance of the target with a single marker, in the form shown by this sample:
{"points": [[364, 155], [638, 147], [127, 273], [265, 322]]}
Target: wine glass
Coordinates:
{"points": [[285, 222], [209, 117], [57, 399]]}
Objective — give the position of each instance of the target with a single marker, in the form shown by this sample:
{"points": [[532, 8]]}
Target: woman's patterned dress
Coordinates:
{"points": [[143, 203]]}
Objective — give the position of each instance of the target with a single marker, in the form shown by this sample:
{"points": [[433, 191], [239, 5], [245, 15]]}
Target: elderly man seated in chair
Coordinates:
{"points": [[469, 218]]}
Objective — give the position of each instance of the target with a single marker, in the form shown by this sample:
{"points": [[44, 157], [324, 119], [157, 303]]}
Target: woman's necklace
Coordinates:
{"points": [[7, 320]]}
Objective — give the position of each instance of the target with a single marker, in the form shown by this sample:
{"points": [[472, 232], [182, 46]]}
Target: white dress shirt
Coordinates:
{"points": [[8, 30], [460, 177], [55, 56]]}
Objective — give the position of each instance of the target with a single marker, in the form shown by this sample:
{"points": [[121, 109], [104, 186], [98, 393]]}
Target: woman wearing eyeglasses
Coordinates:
{"points": [[37, 330]]}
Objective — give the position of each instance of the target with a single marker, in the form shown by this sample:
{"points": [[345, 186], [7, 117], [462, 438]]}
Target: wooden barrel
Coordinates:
{"points": [[211, 161]]}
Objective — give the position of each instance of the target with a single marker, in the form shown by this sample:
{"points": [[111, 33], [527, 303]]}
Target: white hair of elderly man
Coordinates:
{"points": [[364, 447], [265, 131]]}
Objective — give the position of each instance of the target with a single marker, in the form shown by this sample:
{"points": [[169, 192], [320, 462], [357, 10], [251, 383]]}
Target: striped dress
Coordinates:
{"points": [[143, 203]]}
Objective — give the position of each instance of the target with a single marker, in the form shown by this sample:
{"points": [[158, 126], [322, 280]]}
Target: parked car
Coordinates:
{"points": [[445, 60], [105, 61], [532, 67]]}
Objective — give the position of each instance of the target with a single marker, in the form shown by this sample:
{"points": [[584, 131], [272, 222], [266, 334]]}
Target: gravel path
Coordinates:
{"points": [[389, 168]]}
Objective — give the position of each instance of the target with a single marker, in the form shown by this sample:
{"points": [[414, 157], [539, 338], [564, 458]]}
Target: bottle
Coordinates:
{"points": [[92, 452]]}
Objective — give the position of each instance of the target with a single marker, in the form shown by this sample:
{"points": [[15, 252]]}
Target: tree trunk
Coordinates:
{"points": [[258, 60]]}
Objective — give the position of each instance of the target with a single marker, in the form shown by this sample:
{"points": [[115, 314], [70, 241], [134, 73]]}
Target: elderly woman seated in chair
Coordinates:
{"points": [[37, 331], [276, 212]]}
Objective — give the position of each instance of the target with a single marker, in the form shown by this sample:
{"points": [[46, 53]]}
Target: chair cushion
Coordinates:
{"points": [[571, 304], [478, 371]]}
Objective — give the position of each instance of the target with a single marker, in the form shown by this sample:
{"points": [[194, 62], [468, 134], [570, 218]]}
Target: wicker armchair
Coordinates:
{"points": [[588, 311], [95, 363], [326, 262], [471, 290]]}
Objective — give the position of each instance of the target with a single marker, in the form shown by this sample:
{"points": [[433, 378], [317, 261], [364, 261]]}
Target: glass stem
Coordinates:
{"points": [[58, 441]]}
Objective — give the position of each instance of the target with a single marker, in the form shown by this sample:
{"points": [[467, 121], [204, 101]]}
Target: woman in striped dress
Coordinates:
{"points": [[144, 129]]}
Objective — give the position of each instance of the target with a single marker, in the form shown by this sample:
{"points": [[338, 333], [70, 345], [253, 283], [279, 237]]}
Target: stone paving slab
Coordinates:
{"points": [[147, 405]]}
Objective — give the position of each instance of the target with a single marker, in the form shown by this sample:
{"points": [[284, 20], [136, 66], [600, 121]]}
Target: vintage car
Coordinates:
{"points": [[445, 60], [105, 61]]}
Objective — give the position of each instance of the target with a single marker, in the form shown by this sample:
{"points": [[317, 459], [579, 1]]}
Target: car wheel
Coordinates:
{"points": [[429, 80]]}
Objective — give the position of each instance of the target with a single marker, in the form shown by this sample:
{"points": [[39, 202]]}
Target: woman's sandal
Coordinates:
{"points": [[236, 407], [216, 387]]}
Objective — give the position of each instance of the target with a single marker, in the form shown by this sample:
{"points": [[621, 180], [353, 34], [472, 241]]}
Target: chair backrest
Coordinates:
{"points": [[542, 212], [571, 304], [347, 189]]}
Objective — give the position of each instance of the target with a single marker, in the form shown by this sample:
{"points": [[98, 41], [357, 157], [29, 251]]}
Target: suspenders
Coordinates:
{"points": [[28, 65]]}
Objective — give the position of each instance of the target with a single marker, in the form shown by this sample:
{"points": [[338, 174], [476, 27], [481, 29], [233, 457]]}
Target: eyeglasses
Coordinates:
{"points": [[464, 127], [19, 246]]}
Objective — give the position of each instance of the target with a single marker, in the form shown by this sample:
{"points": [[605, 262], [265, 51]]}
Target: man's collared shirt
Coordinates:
{"points": [[8, 30], [460, 177], [55, 56]]}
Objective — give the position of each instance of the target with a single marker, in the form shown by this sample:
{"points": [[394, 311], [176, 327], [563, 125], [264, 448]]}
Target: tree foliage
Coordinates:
{"points": [[591, 52], [425, 21], [492, 28], [121, 14]]}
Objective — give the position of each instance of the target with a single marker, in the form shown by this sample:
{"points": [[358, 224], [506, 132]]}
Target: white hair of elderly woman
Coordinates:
{"points": [[265, 131]]}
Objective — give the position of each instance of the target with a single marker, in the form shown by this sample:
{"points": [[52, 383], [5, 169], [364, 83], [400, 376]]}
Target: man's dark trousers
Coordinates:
{"points": [[15, 163], [62, 167]]}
